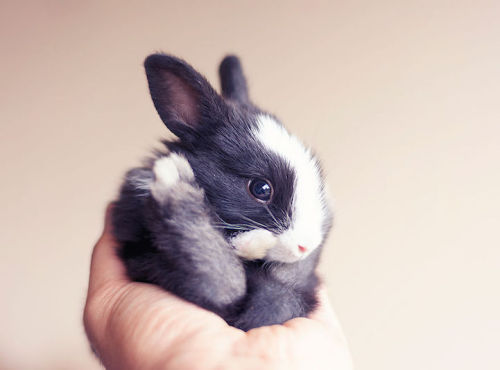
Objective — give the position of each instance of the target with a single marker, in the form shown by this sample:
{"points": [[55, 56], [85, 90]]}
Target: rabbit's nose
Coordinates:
{"points": [[302, 249]]}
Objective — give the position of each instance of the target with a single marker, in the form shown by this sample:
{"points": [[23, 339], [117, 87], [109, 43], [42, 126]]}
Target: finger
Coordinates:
{"points": [[106, 266], [325, 314], [324, 311]]}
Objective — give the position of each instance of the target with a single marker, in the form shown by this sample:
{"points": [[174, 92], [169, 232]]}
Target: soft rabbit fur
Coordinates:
{"points": [[232, 217]]}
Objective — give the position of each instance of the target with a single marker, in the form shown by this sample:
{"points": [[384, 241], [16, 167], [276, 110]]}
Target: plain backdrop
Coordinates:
{"points": [[399, 98]]}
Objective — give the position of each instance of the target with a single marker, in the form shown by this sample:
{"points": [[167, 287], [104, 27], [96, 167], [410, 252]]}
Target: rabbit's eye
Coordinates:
{"points": [[260, 189]]}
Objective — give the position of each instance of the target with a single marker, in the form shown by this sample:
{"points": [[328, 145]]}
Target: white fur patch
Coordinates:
{"points": [[168, 171], [308, 205], [253, 244]]}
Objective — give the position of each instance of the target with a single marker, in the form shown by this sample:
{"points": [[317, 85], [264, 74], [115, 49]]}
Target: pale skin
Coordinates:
{"points": [[134, 325]]}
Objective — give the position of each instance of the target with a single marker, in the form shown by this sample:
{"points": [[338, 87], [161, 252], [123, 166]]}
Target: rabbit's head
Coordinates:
{"points": [[265, 187]]}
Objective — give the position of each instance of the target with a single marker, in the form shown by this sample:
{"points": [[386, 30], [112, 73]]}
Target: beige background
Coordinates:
{"points": [[400, 98]]}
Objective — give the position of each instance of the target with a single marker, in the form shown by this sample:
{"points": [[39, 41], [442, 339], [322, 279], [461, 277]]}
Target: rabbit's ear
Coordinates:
{"points": [[232, 80], [183, 98]]}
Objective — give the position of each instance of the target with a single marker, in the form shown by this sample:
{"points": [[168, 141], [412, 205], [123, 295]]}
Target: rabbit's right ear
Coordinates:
{"points": [[233, 81], [184, 99]]}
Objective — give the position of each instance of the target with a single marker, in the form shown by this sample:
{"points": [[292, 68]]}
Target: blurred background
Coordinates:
{"points": [[399, 98]]}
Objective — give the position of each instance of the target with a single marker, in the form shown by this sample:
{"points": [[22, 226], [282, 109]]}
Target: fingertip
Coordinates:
{"points": [[324, 311], [322, 295], [105, 263], [108, 217], [107, 237]]}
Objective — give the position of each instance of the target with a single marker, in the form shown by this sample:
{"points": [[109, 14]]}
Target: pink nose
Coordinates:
{"points": [[302, 249]]}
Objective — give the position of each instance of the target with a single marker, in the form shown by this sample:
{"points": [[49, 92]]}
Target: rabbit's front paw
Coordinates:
{"points": [[254, 244], [168, 172]]}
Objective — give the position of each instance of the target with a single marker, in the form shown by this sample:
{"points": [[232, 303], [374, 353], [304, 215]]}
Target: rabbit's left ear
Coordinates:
{"points": [[183, 98]]}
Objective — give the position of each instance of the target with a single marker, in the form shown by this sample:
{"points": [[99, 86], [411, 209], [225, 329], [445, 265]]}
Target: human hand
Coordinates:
{"points": [[134, 325]]}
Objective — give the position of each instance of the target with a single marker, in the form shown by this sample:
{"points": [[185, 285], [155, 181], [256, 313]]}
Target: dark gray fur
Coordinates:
{"points": [[180, 241]]}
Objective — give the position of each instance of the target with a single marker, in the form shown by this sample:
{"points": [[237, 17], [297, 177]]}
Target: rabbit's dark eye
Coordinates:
{"points": [[260, 189]]}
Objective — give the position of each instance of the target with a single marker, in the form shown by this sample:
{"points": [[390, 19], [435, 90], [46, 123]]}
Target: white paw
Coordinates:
{"points": [[253, 244], [169, 171]]}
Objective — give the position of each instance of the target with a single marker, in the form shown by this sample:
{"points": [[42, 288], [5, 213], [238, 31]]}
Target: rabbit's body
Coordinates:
{"points": [[233, 216]]}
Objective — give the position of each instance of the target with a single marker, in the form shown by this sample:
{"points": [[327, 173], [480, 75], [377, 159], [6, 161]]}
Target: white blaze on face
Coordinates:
{"points": [[308, 212]]}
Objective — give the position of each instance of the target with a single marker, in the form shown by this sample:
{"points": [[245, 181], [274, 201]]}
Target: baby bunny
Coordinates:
{"points": [[233, 215]]}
